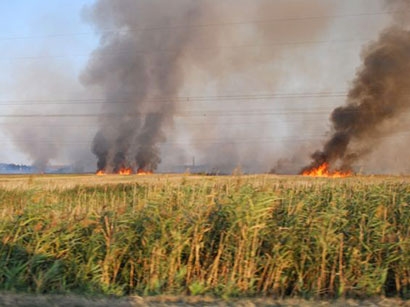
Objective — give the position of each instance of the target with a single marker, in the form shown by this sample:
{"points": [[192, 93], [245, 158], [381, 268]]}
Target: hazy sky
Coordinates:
{"points": [[45, 45], [45, 38]]}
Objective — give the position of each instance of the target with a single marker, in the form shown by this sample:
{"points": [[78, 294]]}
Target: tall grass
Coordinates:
{"points": [[228, 236]]}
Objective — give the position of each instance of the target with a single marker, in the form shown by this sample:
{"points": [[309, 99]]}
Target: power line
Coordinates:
{"points": [[200, 142], [232, 111], [190, 49], [245, 124], [108, 102], [205, 25], [177, 99], [212, 113], [204, 141], [197, 114]]}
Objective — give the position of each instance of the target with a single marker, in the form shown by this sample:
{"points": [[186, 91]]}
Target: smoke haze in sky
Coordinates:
{"points": [[142, 65], [378, 96], [232, 83]]}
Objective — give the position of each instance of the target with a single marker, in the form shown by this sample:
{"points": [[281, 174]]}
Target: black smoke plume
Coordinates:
{"points": [[134, 66], [148, 49], [380, 93]]}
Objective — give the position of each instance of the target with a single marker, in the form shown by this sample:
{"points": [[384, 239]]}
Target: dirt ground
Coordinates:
{"points": [[26, 300]]}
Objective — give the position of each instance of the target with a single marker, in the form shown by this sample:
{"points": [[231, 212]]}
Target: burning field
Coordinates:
{"points": [[230, 84], [126, 172], [186, 80], [379, 93], [324, 171]]}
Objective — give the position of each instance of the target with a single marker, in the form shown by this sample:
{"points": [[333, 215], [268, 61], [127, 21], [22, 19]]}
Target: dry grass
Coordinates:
{"points": [[228, 236]]}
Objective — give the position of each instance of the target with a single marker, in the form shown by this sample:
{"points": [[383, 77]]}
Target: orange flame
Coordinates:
{"points": [[143, 172], [323, 171], [125, 171]]}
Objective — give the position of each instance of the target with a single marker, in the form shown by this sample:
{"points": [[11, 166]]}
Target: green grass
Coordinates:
{"points": [[224, 236]]}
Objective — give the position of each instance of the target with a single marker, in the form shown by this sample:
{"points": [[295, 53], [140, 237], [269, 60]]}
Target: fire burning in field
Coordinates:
{"points": [[143, 172], [324, 171], [125, 171]]}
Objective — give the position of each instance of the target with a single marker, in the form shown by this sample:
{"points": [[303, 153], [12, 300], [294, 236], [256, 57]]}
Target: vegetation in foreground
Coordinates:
{"points": [[223, 236]]}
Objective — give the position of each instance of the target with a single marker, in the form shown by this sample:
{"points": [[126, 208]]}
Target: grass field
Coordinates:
{"points": [[230, 236]]}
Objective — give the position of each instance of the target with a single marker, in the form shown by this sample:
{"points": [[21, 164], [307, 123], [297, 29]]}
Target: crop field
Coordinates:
{"points": [[226, 236]]}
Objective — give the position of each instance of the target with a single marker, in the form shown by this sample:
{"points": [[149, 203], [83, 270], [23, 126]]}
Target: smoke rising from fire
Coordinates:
{"points": [[186, 80], [131, 78], [378, 95], [149, 50]]}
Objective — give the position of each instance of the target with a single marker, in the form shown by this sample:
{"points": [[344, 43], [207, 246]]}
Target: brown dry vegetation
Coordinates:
{"points": [[231, 236]]}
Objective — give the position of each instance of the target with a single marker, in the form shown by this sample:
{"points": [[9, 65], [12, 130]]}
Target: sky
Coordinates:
{"points": [[44, 27], [45, 36], [45, 46]]}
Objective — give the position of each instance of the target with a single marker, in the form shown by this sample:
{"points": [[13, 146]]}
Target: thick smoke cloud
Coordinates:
{"points": [[150, 50], [131, 78], [401, 12], [152, 53], [379, 95]]}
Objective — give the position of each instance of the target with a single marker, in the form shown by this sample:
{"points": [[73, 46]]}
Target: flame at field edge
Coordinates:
{"points": [[323, 171], [143, 172], [125, 172]]}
